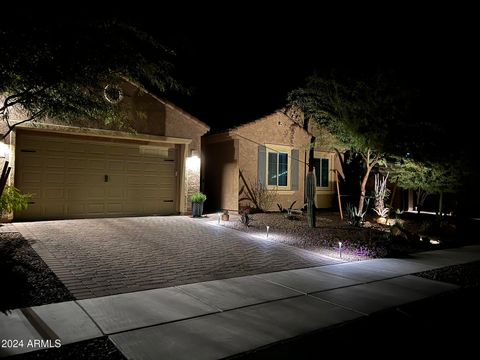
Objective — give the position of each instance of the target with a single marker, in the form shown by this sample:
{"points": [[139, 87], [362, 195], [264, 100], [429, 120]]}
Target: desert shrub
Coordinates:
{"points": [[258, 195], [245, 217], [13, 200]]}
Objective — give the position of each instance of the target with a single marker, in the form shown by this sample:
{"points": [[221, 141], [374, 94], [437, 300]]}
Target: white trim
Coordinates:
{"points": [[287, 192], [73, 130], [277, 149], [331, 165]]}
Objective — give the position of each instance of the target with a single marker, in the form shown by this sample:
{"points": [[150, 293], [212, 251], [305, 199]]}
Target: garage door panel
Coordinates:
{"points": [[54, 209], [119, 150], [135, 180], [115, 193], [77, 193], [152, 167], [53, 146], [31, 177], [134, 166], [133, 194], [166, 184], [76, 209], [150, 180], [96, 193], [54, 178], [55, 162], [115, 208], [95, 208], [76, 163], [76, 147], [68, 176], [96, 164], [31, 161], [116, 165], [54, 194], [151, 206], [75, 179], [133, 207], [95, 149]]}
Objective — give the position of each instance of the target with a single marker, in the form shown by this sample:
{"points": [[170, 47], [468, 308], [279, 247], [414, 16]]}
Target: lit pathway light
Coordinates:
{"points": [[268, 228], [340, 248]]}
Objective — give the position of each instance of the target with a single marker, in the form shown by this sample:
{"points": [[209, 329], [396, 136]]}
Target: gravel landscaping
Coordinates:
{"points": [[465, 275], [358, 243], [27, 280]]}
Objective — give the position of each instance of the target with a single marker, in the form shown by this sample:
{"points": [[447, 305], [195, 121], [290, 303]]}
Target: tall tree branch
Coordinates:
{"points": [[31, 118]]}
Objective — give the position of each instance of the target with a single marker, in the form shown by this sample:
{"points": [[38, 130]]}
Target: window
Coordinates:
{"points": [[113, 93], [322, 172], [277, 168]]}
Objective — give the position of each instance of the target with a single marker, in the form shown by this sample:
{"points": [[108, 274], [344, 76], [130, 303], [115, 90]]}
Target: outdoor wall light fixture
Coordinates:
{"points": [[340, 248], [4, 150], [193, 163], [268, 228]]}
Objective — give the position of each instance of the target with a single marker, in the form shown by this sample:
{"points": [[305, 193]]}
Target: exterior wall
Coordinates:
{"points": [[181, 126], [275, 129], [221, 175], [326, 197], [148, 116], [325, 143]]}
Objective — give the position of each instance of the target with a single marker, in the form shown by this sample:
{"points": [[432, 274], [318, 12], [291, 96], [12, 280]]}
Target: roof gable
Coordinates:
{"points": [[169, 105]]}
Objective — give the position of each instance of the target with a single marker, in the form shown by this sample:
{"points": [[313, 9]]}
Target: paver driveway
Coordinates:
{"points": [[97, 257]]}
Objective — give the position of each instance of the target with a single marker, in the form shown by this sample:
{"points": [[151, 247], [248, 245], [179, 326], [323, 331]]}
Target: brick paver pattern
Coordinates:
{"points": [[98, 257]]}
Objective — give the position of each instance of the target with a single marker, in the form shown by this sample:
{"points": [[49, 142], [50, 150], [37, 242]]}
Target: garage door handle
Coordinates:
{"points": [[106, 178]]}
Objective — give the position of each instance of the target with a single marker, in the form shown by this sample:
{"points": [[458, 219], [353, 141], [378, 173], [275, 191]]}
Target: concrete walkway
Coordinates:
{"points": [[221, 318]]}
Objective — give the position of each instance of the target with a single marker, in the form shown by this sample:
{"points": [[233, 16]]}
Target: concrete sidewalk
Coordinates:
{"points": [[221, 318]]}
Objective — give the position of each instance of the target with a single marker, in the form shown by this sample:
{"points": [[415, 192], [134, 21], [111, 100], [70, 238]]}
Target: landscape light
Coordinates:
{"points": [[340, 248], [268, 228]]}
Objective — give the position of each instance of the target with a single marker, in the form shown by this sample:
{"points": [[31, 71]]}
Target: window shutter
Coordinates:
{"points": [[294, 162], [262, 158]]}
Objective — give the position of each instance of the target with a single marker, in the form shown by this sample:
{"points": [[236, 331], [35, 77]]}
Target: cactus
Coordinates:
{"points": [[311, 188]]}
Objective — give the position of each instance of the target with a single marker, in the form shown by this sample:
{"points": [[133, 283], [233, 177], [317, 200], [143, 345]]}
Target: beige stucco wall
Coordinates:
{"points": [[275, 129], [221, 174], [149, 115], [326, 144], [180, 125]]}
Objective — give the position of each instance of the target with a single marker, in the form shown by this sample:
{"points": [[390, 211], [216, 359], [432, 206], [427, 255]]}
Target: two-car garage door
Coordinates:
{"points": [[74, 177]]}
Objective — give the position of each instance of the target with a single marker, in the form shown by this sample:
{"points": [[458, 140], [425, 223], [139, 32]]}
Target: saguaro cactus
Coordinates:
{"points": [[311, 189]]}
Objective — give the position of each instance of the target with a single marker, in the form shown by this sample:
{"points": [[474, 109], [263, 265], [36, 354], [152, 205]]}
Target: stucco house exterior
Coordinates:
{"points": [[271, 151], [89, 169]]}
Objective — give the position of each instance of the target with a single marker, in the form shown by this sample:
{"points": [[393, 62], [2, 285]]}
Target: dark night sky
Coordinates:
{"points": [[240, 68], [240, 62]]}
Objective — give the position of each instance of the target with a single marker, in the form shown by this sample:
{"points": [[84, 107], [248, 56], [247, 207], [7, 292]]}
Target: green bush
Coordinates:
{"points": [[13, 200], [199, 197]]}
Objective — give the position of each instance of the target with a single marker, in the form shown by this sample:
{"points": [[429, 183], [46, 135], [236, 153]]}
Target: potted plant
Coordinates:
{"points": [[225, 215], [197, 204]]}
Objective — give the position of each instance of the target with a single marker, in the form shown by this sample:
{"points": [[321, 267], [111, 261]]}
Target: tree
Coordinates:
{"points": [[425, 178], [362, 114], [60, 69]]}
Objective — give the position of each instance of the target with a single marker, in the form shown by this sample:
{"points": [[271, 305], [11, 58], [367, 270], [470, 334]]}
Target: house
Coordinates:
{"points": [[90, 169], [270, 152]]}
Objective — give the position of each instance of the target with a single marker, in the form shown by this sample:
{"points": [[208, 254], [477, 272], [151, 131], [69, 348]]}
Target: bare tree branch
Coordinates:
{"points": [[11, 127]]}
